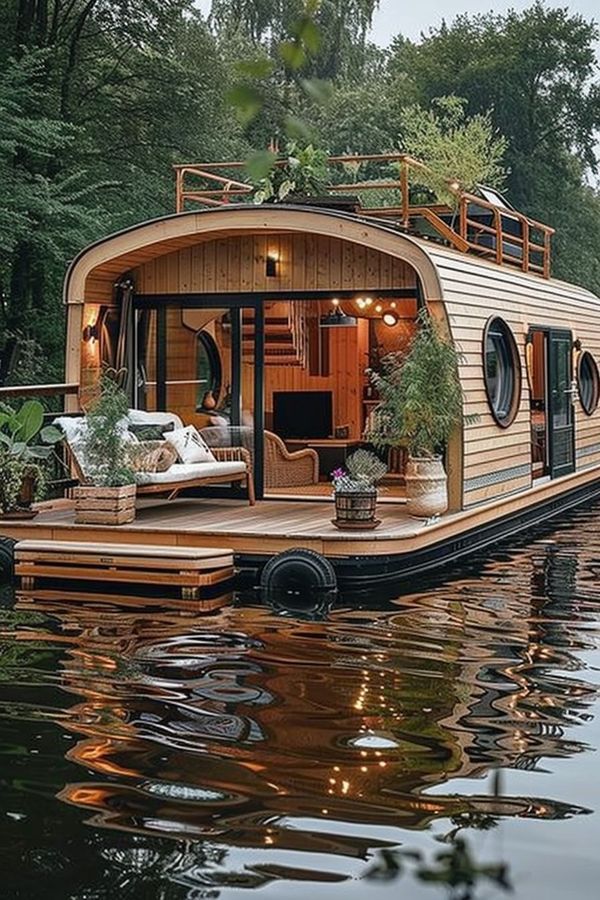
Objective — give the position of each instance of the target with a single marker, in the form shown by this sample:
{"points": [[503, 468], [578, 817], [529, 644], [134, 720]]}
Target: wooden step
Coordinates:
{"points": [[191, 569]]}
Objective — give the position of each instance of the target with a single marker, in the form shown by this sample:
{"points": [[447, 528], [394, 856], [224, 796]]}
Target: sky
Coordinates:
{"points": [[412, 18]]}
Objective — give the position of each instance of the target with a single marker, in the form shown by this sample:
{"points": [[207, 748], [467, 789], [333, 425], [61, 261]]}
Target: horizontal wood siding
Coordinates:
{"points": [[497, 461]]}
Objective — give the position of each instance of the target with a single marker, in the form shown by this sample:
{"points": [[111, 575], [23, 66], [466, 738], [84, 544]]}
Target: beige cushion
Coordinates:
{"points": [[151, 456], [145, 417], [190, 445], [190, 472]]}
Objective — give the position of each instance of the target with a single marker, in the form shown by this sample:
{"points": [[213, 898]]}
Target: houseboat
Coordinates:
{"points": [[256, 323]]}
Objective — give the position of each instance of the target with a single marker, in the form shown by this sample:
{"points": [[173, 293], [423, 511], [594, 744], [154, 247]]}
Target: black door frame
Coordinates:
{"points": [[236, 304], [253, 300], [551, 332]]}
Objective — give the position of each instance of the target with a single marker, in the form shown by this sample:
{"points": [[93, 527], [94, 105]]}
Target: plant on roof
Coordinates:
{"points": [[104, 439], [301, 172]]}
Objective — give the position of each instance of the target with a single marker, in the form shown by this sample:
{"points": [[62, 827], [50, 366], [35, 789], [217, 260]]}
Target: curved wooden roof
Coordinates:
{"points": [[107, 259]]}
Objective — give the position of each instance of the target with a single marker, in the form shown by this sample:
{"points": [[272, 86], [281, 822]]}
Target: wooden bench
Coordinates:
{"points": [[194, 570]]}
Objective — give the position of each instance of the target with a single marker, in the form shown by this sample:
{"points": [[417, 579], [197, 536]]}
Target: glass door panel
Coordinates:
{"points": [[199, 362], [561, 420]]}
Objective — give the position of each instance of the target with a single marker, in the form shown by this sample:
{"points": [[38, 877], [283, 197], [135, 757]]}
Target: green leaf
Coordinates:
{"points": [[256, 68], [259, 164], [292, 53], [309, 34], [246, 100], [51, 435], [317, 89], [31, 419], [285, 188]]}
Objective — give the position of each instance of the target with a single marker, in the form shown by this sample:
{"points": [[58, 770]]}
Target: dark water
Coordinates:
{"points": [[157, 754]]}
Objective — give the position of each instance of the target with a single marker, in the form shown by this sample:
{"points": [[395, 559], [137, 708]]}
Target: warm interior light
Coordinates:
{"points": [[335, 301], [360, 303], [369, 301], [378, 308], [390, 318], [393, 304]]}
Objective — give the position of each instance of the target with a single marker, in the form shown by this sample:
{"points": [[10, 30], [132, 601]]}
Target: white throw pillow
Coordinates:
{"points": [[190, 446]]}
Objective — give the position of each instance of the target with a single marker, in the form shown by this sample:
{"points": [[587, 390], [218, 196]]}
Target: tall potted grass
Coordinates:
{"points": [[108, 495], [421, 405]]}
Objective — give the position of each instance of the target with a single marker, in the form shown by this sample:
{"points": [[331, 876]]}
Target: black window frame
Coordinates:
{"points": [[206, 341], [589, 405], [504, 407]]}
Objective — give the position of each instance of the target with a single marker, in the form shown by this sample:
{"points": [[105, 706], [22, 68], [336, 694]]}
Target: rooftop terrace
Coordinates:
{"points": [[394, 187]]}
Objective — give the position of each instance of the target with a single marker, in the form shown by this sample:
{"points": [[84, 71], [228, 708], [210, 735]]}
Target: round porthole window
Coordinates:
{"points": [[588, 381], [502, 371]]}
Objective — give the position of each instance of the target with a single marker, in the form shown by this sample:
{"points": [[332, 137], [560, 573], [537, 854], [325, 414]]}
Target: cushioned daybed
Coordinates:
{"points": [[223, 465]]}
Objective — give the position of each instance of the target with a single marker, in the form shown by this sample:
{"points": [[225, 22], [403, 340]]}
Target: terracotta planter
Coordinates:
{"points": [[426, 487], [104, 505], [355, 510]]}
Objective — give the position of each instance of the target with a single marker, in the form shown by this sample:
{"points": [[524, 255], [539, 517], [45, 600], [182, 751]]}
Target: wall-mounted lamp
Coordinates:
{"points": [[271, 265], [390, 318], [91, 332]]}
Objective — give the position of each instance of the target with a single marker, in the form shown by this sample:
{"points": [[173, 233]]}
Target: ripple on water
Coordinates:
{"points": [[243, 749]]}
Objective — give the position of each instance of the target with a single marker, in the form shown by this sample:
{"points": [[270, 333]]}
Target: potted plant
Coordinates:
{"points": [[25, 444], [355, 491], [108, 496], [421, 403], [300, 177]]}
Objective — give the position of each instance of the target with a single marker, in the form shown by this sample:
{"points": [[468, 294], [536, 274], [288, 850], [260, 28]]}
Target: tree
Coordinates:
{"points": [[536, 71]]}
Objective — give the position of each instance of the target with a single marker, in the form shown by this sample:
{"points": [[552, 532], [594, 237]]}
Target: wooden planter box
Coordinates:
{"points": [[355, 510], [104, 505]]}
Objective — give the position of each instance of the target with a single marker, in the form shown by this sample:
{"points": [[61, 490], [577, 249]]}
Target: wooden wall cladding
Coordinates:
{"points": [[304, 262], [497, 461]]}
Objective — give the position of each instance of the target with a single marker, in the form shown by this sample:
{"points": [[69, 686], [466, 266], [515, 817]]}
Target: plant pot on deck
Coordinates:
{"points": [[355, 510], [426, 487], [23, 509], [104, 505]]}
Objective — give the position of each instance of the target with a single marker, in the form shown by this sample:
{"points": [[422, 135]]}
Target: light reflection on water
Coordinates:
{"points": [[170, 755]]}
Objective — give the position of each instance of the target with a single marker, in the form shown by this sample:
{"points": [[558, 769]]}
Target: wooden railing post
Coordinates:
{"points": [[526, 248], [499, 237], [179, 191], [547, 239], [405, 193], [462, 217]]}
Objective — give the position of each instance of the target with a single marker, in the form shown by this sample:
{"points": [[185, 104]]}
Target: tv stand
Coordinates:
{"points": [[332, 452]]}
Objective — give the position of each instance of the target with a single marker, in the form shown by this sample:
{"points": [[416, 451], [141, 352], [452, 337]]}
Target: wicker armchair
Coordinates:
{"points": [[285, 469]]}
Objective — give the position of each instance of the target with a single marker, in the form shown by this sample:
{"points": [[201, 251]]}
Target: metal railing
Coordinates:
{"points": [[472, 225]]}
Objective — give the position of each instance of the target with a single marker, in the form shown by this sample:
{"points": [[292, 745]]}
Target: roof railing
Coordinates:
{"points": [[472, 225]]}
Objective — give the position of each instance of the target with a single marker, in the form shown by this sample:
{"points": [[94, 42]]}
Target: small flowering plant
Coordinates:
{"points": [[363, 470]]}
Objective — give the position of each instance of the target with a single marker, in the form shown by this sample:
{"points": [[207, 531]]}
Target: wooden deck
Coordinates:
{"points": [[276, 525]]}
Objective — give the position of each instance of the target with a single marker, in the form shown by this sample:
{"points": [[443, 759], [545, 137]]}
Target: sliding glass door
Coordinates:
{"points": [[202, 359]]}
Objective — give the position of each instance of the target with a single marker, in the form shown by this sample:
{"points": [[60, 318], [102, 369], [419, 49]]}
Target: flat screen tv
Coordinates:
{"points": [[306, 415]]}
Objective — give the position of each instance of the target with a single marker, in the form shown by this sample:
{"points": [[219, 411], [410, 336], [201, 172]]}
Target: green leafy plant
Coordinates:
{"points": [[103, 443], [21, 429], [421, 395], [363, 470], [302, 174], [14, 472]]}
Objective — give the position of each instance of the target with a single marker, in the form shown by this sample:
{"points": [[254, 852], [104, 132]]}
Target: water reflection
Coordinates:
{"points": [[241, 749]]}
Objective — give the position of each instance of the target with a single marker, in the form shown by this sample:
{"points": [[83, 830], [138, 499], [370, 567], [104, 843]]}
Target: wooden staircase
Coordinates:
{"points": [[286, 336]]}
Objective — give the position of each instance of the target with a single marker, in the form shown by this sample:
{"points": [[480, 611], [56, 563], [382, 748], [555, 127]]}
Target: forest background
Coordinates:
{"points": [[98, 98]]}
